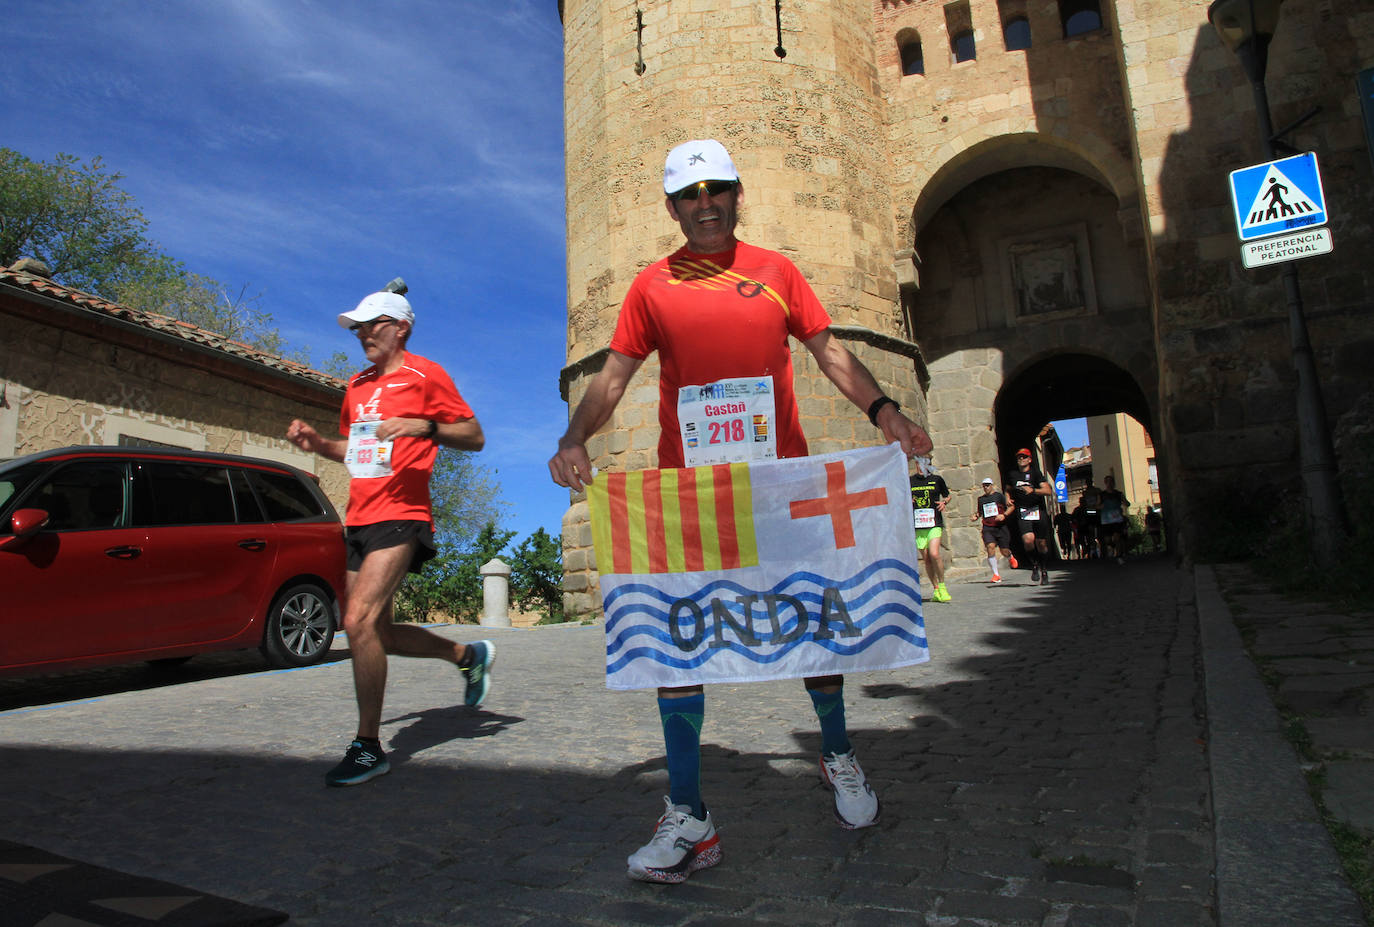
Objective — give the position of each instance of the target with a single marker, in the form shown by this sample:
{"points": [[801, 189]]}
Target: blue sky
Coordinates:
{"points": [[311, 151], [1073, 432]]}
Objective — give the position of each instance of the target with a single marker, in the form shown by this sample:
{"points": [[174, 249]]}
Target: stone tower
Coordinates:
{"points": [[805, 131]]}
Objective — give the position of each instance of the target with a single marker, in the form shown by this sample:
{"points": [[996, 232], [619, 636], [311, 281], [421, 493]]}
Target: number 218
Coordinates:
{"points": [[727, 431]]}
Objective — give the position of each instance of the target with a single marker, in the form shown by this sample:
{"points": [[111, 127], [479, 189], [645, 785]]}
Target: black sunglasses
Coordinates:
{"points": [[367, 327], [712, 188]]}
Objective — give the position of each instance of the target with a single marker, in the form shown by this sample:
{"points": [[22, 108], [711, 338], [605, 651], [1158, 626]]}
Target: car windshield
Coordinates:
{"points": [[14, 480]]}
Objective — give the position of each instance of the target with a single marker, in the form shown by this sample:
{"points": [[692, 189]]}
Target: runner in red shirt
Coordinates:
{"points": [[719, 313], [395, 416]]}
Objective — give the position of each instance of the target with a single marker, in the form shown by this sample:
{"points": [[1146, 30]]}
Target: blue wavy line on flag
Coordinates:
{"points": [[652, 621], [702, 597], [642, 618], [833, 645], [704, 593], [655, 631]]}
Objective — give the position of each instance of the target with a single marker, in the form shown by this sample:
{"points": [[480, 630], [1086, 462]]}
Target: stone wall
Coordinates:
{"points": [[1226, 377], [66, 388]]}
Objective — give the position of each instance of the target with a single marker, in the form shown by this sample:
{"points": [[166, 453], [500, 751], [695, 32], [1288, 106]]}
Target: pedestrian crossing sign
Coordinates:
{"points": [[1278, 196]]}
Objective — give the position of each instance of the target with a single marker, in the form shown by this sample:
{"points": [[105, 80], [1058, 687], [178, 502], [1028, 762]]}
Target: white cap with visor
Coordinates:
{"points": [[375, 306], [697, 161]]}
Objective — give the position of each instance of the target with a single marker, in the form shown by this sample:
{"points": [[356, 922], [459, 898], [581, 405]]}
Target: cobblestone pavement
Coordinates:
{"points": [[1317, 665], [1047, 767], [1320, 665]]}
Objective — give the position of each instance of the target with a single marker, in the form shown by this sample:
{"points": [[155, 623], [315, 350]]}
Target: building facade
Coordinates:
{"points": [[78, 370]]}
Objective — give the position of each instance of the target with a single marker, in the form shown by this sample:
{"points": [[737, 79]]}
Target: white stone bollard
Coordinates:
{"points": [[495, 594]]}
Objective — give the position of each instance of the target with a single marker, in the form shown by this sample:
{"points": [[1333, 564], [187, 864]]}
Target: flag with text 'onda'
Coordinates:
{"points": [[750, 571]]}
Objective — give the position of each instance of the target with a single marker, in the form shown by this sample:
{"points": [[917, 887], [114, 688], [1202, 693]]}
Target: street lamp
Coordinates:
{"points": [[1246, 27], [1246, 23]]}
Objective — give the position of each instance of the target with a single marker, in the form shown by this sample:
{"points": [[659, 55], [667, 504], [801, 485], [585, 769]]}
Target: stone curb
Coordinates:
{"points": [[1275, 863]]}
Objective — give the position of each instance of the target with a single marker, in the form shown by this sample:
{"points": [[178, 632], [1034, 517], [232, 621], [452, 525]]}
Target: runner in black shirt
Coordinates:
{"points": [[1028, 489]]}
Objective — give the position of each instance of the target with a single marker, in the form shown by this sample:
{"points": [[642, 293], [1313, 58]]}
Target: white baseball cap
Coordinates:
{"points": [[376, 305], [987, 481], [695, 161]]}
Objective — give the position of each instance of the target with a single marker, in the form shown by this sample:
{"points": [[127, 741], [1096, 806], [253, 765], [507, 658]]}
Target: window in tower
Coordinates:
{"points": [[1016, 34], [963, 47], [909, 45], [1079, 16], [959, 26]]}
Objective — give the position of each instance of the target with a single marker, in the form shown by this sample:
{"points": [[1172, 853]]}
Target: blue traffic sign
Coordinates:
{"points": [[1278, 196]]}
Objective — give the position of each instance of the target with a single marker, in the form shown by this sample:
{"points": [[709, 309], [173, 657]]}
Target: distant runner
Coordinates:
{"points": [[928, 497], [1029, 489], [993, 508]]}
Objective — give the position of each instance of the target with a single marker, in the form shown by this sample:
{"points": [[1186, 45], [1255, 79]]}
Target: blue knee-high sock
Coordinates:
{"points": [[830, 711], [682, 739]]}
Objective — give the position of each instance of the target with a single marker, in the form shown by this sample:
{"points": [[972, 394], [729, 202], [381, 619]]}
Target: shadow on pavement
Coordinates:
{"points": [[31, 691]]}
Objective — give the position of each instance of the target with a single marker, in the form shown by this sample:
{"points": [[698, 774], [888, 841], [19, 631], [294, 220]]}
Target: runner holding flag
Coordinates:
{"points": [[719, 313]]}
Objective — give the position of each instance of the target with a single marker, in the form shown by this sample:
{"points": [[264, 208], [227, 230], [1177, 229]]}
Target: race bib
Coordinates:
{"points": [[367, 457], [729, 421], [1112, 517], [990, 510], [1030, 514], [925, 518]]}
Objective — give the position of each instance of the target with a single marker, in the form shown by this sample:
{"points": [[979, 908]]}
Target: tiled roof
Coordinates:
{"points": [[155, 322]]}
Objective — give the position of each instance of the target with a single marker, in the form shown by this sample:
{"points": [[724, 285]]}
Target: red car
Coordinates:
{"points": [[114, 555]]}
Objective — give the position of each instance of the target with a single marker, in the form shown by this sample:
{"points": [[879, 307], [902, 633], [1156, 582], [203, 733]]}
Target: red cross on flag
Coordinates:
{"points": [[765, 570]]}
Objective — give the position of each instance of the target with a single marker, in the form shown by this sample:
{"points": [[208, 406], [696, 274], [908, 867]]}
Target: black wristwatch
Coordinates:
{"points": [[877, 405], [432, 430]]}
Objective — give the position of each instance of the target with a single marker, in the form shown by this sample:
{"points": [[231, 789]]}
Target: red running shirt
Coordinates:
{"points": [[419, 389], [711, 317]]}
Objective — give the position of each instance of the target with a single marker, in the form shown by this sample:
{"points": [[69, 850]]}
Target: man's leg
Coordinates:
{"points": [[408, 640], [992, 561], [1028, 545], [827, 697], [367, 622], [937, 569], [682, 712], [685, 837], [370, 589], [931, 572], [856, 804], [475, 659]]}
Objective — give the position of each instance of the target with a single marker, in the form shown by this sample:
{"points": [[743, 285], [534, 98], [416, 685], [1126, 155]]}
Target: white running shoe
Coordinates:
{"points": [[856, 805], [680, 846]]}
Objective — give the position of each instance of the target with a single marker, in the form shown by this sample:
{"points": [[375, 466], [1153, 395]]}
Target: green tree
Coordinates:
{"points": [[536, 574], [467, 505], [76, 219], [466, 496], [167, 288], [340, 365], [452, 581]]}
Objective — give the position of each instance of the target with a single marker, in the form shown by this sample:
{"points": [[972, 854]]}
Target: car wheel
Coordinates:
{"points": [[300, 626]]}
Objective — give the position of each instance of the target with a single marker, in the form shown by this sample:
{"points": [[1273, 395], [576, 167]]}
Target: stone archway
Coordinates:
{"points": [[1031, 305], [1061, 386]]}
